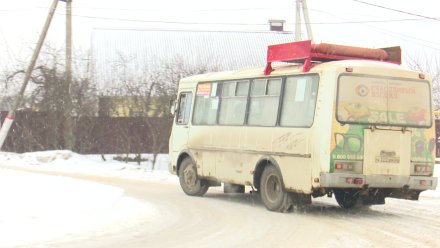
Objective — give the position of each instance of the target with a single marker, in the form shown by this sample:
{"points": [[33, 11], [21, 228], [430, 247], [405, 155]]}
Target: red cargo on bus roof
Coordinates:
{"points": [[305, 52]]}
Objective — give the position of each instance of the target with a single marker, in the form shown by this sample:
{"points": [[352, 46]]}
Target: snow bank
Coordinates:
{"points": [[36, 208], [70, 162]]}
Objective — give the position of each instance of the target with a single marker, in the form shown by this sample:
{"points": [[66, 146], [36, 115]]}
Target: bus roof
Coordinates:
{"points": [[364, 66]]}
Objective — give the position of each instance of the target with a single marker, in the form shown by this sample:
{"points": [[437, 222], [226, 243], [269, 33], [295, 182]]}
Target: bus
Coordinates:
{"points": [[340, 121]]}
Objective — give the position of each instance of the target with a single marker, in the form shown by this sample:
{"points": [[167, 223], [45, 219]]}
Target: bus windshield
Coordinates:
{"points": [[383, 101]]}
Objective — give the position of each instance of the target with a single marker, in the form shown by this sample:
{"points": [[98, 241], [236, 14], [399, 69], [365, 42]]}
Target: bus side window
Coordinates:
{"points": [[299, 101], [184, 109]]}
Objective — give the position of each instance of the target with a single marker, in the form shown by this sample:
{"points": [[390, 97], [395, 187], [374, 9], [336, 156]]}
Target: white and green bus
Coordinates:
{"points": [[348, 125]]}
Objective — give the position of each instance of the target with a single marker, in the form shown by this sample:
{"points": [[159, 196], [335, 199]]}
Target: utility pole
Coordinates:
{"points": [[302, 5], [298, 21], [69, 42], [19, 98], [68, 119]]}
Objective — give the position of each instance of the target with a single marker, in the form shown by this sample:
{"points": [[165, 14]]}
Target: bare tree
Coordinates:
{"points": [[429, 64], [150, 91], [48, 93]]}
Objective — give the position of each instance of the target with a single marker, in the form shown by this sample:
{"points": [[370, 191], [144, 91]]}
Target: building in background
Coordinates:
{"points": [[125, 59], [119, 53]]}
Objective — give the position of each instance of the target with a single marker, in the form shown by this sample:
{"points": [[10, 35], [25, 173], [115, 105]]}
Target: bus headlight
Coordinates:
{"points": [[344, 166]]}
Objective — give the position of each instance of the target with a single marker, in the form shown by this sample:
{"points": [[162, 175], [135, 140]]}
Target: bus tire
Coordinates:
{"points": [[346, 198], [272, 191], [189, 181]]}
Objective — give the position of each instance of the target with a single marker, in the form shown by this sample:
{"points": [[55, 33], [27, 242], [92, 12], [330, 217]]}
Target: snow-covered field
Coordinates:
{"points": [[38, 208]]}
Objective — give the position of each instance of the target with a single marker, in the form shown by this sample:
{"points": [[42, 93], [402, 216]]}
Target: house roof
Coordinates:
{"points": [[141, 49]]}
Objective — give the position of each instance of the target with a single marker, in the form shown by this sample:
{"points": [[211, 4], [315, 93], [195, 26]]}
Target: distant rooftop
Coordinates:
{"points": [[228, 50]]}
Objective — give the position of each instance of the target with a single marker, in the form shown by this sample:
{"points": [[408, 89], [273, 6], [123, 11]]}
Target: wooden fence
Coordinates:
{"points": [[37, 131]]}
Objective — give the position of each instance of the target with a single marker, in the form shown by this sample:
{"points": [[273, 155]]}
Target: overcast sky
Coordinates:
{"points": [[339, 21]]}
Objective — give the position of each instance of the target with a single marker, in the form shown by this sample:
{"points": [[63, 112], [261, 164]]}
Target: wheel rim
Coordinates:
{"points": [[189, 176], [273, 188]]}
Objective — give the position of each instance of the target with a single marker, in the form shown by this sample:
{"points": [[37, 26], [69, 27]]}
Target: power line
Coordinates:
{"points": [[155, 10], [421, 18], [390, 33], [14, 10], [393, 34], [168, 9], [239, 24], [164, 22], [369, 21], [396, 10]]}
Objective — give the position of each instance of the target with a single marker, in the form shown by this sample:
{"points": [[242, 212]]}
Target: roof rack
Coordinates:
{"points": [[305, 52]]}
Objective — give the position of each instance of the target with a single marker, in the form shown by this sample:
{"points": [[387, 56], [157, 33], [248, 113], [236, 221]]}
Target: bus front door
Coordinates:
{"points": [[182, 122]]}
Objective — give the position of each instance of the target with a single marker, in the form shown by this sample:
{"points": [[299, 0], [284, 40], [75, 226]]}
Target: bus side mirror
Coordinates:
{"points": [[173, 107]]}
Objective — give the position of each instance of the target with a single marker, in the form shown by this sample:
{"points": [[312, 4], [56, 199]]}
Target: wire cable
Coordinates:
{"points": [[238, 24], [396, 10]]}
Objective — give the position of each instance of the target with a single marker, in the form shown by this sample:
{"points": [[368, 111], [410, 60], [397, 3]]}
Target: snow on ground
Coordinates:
{"points": [[38, 208], [67, 161]]}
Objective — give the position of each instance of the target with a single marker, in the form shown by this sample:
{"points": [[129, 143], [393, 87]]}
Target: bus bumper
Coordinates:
{"points": [[340, 180]]}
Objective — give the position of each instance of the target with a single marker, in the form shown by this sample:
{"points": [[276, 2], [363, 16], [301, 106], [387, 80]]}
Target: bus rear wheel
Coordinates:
{"points": [[346, 198], [273, 195], [189, 181]]}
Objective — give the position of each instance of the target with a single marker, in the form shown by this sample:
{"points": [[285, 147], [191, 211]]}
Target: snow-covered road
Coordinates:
{"points": [[122, 206], [36, 208], [240, 220]]}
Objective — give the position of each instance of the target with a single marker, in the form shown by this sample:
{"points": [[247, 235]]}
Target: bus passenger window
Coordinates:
{"points": [[233, 102], [206, 104], [184, 108], [299, 100], [264, 101]]}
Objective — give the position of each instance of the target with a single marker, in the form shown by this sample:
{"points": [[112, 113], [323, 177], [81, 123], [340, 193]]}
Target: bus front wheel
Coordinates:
{"points": [[189, 181], [273, 195]]}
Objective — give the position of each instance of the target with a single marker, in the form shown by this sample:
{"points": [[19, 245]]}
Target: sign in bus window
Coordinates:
{"points": [[300, 90], [204, 89], [206, 104], [384, 101]]}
